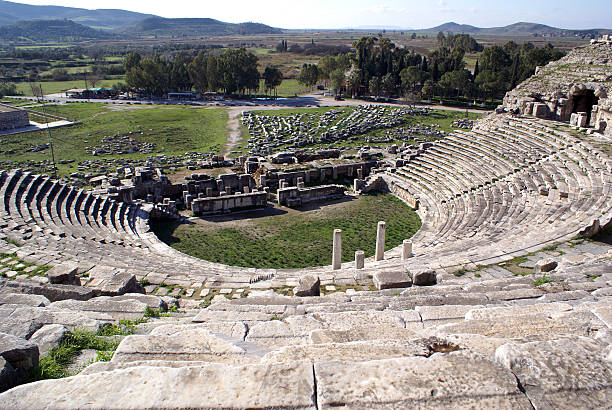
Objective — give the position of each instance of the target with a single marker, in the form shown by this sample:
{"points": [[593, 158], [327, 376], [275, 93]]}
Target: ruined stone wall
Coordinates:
{"points": [[228, 203], [579, 83], [11, 119], [298, 196], [321, 174]]}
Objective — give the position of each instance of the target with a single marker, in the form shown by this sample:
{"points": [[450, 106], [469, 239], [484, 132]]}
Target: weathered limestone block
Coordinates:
{"points": [[23, 321], [112, 282], [360, 351], [48, 337], [359, 259], [118, 309], [192, 343], [23, 299], [425, 277], [64, 274], [545, 265], [391, 280], [309, 285], [20, 353], [571, 372], [8, 375], [491, 313], [455, 380], [51, 292], [212, 385], [528, 325], [540, 110]]}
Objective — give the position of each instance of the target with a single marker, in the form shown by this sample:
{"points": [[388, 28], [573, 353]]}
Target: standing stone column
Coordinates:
{"points": [[337, 251], [406, 249], [359, 259], [380, 241]]}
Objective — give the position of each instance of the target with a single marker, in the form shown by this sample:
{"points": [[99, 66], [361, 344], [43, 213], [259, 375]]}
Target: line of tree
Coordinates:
{"points": [[232, 72], [378, 67]]}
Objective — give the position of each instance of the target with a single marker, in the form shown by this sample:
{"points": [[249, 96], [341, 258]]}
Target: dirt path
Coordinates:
{"points": [[233, 129]]}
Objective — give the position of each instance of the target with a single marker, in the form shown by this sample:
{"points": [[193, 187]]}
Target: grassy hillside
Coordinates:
{"points": [[51, 31], [158, 26]]}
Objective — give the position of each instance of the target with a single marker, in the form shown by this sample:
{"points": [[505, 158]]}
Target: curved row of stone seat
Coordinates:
{"points": [[490, 193], [490, 342]]}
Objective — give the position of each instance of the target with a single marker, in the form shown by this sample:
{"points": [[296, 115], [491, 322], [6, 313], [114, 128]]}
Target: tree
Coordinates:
{"points": [[429, 89], [197, 70], [179, 75], [326, 65], [388, 84], [353, 82], [7, 89], [309, 74], [337, 80], [457, 81], [375, 86], [273, 77]]}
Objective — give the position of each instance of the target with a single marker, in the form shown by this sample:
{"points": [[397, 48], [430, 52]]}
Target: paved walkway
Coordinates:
{"points": [[35, 126]]}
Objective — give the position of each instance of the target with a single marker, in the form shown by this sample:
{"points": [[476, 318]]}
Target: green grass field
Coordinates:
{"points": [[289, 87], [295, 239], [174, 130], [55, 87]]}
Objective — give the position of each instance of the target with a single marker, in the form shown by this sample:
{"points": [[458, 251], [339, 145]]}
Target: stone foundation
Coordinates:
{"points": [[228, 203], [295, 197]]}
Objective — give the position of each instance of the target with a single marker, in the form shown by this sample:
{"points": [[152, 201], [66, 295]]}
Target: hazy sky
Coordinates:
{"points": [[354, 13]]}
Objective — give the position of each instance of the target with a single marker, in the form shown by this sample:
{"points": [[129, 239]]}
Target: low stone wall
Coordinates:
{"points": [[11, 119], [321, 174], [228, 203], [294, 197]]}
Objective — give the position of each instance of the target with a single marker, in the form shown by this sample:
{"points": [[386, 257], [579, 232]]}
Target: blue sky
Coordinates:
{"points": [[355, 13]]}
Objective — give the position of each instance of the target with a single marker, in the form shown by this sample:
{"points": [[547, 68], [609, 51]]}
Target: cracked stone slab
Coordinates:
{"points": [[213, 385], [571, 372], [192, 343], [454, 380]]}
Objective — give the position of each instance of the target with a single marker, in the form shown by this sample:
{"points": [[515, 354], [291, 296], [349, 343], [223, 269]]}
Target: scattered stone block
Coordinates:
{"points": [[391, 280], [20, 353], [111, 282], [309, 285], [545, 265], [48, 337], [64, 274], [23, 299], [426, 277]]}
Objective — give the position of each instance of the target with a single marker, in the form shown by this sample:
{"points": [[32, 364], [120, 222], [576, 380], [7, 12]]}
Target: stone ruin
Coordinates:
{"points": [[12, 118], [575, 89], [520, 315]]}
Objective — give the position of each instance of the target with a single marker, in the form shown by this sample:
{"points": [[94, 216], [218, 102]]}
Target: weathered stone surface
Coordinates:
{"points": [[23, 299], [528, 325], [391, 280], [455, 380], [8, 375], [571, 372], [48, 337], [193, 343], [360, 351], [23, 321], [112, 282], [361, 333], [212, 385], [513, 311], [425, 277], [51, 292], [117, 309], [20, 353], [207, 315], [437, 315], [64, 274], [309, 285], [545, 265]]}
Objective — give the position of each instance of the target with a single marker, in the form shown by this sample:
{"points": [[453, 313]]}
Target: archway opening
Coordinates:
{"points": [[584, 102]]}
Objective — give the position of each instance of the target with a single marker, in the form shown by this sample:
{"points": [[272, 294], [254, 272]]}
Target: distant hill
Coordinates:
{"points": [[11, 13], [50, 30], [194, 27], [516, 29]]}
